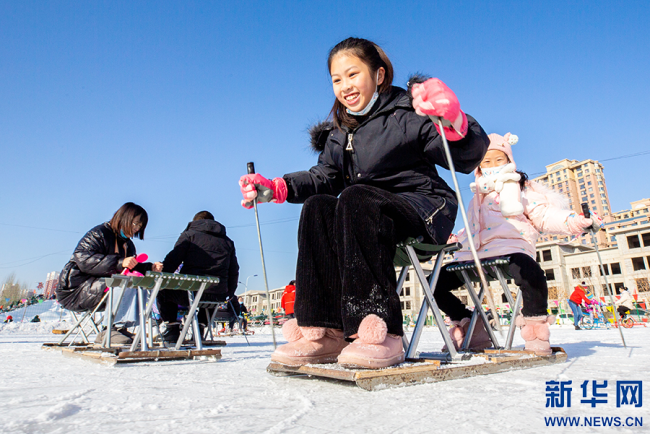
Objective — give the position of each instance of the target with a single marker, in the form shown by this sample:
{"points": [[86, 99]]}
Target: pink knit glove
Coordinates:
{"points": [[256, 186], [578, 224], [434, 98]]}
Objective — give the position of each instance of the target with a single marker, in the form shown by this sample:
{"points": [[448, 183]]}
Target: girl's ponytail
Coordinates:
{"points": [[372, 55]]}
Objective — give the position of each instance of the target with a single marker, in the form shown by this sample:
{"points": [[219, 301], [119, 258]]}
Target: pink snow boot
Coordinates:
{"points": [[536, 333], [308, 345], [374, 348], [458, 330]]}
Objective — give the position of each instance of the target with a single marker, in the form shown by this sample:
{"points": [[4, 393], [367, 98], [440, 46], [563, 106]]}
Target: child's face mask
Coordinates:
{"points": [[491, 171]]}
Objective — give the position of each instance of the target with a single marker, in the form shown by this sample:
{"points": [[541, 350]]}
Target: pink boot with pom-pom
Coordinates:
{"points": [[458, 330], [374, 348], [308, 345], [536, 333]]}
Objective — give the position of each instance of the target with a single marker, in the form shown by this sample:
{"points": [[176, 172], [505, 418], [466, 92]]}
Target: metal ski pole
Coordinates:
{"points": [[470, 241], [587, 214], [251, 169]]}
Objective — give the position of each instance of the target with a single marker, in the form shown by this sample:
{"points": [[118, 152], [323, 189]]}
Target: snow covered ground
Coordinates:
{"points": [[43, 392]]}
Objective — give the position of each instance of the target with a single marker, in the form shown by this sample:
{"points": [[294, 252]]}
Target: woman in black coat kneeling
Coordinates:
{"points": [[105, 250]]}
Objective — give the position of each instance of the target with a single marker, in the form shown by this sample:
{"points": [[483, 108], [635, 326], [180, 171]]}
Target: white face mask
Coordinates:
{"points": [[372, 102], [491, 171]]}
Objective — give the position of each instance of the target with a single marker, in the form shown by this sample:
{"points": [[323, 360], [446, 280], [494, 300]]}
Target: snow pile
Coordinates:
{"points": [[49, 310]]}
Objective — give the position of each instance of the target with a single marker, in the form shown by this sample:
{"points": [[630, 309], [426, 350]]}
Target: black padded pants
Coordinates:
{"points": [[345, 259], [528, 276]]}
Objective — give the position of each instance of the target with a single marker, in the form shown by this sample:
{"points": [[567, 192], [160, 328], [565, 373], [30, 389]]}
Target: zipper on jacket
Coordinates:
{"points": [[429, 219], [350, 140]]}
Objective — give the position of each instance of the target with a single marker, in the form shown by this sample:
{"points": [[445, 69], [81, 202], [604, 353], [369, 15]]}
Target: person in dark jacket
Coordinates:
{"points": [[203, 249], [375, 184], [104, 250]]}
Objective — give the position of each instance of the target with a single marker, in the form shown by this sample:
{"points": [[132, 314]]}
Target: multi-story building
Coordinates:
{"points": [[639, 213], [51, 283], [255, 301], [581, 182]]}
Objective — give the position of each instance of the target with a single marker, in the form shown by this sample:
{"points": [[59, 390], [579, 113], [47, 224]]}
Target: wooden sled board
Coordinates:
{"points": [[420, 371], [123, 355], [59, 332]]}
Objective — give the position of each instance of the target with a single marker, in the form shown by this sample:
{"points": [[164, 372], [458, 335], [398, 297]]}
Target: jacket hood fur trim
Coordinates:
{"points": [[555, 199], [318, 132]]}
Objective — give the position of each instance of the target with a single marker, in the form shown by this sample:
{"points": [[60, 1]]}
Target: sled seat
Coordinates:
{"points": [[494, 269], [216, 316], [410, 253]]}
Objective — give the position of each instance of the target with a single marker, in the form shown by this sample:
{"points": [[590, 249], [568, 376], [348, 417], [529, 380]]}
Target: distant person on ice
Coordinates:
{"points": [[375, 184], [625, 303], [500, 233], [105, 250], [576, 299], [204, 249], [288, 299]]}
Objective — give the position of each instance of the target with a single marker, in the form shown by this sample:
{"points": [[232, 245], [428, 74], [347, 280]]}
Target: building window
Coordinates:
{"points": [[537, 256], [407, 291], [591, 196], [642, 284], [633, 242], [586, 271], [575, 273], [550, 275], [616, 268], [593, 202], [606, 270], [402, 304], [546, 255], [408, 305], [646, 239], [638, 264], [591, 189]]}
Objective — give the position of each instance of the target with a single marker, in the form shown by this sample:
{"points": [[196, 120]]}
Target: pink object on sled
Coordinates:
{"points": [[142, 257]]}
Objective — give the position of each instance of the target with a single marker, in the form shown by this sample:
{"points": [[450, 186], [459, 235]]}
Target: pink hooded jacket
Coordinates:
{"points": [[495, 235]]}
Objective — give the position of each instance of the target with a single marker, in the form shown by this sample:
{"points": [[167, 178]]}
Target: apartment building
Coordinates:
{"points": [[639, 213], [255, 301]]}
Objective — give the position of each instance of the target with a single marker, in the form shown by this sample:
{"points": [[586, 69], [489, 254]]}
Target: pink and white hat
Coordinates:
{"points": [[503, 144]]}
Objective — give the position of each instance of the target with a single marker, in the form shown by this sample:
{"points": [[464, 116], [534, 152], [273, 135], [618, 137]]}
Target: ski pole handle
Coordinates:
{"points": [[585, 208], [250, 167]]}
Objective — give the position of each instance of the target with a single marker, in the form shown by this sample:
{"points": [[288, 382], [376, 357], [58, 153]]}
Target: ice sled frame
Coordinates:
{"points": [[108, 354], [434, 367]]}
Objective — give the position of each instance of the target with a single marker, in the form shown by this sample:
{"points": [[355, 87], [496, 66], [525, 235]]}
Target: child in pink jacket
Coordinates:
{"points": [[514, 234]]}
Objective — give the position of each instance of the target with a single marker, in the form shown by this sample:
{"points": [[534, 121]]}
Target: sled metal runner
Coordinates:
{"points": [[424, 370]]}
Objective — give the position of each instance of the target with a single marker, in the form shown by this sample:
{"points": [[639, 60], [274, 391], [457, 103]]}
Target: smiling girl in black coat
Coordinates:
{"points": [[375, 184]]}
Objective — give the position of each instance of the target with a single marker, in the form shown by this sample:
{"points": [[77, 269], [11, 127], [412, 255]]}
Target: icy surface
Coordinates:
{"points": [[44, 392]]}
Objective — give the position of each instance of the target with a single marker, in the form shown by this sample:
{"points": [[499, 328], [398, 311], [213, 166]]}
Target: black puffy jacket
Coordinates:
{"points": [[394, 149], [204, 249], [80, 285]]}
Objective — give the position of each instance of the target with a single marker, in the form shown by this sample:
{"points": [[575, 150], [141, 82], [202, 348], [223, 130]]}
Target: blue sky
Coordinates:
{"points": [[163, 103]]}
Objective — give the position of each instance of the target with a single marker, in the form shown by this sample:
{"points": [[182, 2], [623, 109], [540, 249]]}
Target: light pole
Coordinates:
{"points": [[246, 284]]}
